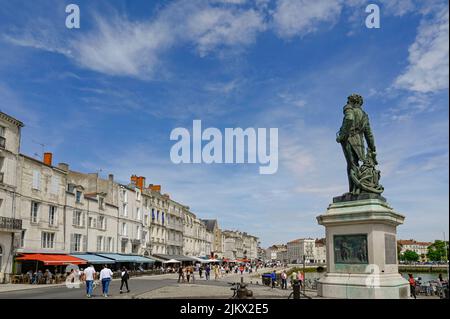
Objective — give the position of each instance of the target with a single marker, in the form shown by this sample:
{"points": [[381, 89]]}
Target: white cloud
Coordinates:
{"points": [[211, 28], [428, 57], [299, 17]]}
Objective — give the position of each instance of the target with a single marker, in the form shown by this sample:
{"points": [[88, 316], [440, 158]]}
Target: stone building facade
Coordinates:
{"points": [[50, 209]]}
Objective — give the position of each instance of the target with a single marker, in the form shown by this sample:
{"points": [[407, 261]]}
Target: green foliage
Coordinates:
{"points": [[410, 255], [438, 251]]}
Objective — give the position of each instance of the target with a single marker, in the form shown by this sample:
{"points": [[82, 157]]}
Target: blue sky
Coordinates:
{"points": [[105, 97]]}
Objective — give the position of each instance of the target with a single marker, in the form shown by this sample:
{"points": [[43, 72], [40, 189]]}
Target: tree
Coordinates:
{"points": [[438, 251], [410, 255]]}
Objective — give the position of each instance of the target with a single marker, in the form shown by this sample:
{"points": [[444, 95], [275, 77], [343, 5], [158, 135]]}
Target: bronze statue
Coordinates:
{"points": [[355, 129]]}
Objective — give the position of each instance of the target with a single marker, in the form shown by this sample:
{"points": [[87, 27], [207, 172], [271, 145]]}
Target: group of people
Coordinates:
{"points": [[89, 276], [38, 277], [415, 283], [295, 277]]}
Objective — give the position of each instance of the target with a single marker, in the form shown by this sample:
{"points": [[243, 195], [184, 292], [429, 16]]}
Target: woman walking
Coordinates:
{"points": [[105, 277], [124, 279]]}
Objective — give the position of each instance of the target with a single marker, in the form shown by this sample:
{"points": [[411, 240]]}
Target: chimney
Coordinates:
{"points": [[48, 159], [63, 166], [156, 188], [139, 181]]}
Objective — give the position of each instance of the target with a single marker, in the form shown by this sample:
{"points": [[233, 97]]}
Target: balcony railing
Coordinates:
{"points": [[10, 223]]}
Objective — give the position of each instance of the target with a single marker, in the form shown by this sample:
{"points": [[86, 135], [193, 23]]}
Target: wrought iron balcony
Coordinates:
{"points": [[10, 223]]}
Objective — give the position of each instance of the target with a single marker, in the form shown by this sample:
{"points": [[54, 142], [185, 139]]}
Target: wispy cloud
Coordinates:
{"points": [[428, 56]]}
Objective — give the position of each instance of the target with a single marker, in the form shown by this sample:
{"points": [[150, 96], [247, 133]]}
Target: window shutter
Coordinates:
{"points": [[36, 179], [104, 223], [84, 248], [72, 242], [74, 217]]}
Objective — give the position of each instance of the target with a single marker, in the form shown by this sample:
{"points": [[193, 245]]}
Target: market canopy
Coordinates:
{"points": [[52, 259], [171, 261], [94, 259]]}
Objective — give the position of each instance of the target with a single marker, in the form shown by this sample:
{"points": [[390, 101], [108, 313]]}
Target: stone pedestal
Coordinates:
{"points": [[362, 250]]}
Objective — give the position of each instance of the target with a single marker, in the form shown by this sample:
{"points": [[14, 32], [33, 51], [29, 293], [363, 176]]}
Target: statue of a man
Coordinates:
{"points": [[355, 129]]}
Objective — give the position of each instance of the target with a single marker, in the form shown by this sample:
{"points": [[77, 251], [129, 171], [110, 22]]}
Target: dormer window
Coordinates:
{"points": [[101, 203], [78, 196]]}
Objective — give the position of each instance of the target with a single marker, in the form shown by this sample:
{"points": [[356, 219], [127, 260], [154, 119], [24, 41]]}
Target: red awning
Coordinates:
{"points": [[52, 260]]}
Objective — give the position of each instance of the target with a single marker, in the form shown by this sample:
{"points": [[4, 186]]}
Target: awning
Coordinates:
{"points": [[156, 259], [94, 259], [176, 257], [127, 258], [172, 261], [52, 260], [201, 260]]}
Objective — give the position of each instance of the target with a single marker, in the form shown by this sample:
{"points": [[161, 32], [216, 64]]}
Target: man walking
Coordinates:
{"points": [[180, 274], [89, 277], [124, 279], [105, 277]]}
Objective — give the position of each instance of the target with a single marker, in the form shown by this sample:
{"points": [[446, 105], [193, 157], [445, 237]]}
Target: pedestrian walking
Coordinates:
{"points": [[124, 276], [192, 274], [105, 277], [180, 274], [274, 278], [412, 285], [301, 279], [216, 272], [188, 274], [200, 271], [89, 275], [284, 280], [207, 272]]}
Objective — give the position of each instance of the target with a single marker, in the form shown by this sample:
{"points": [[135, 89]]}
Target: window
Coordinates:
{"points": [[91, 222], [153, 214], [138, 232], [124, 196], [55, 185], [78, 218], [124, 229], [1, 255], [48, 240], [22, 238], [2, 174], [138, 195], [34, 212], [109, 244], [101, 203], [100, 243], [52, 217], [76, 242], [78, 197], [102, 222], [2, 139], [138, 213], [125, 209], [36, 180]]}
